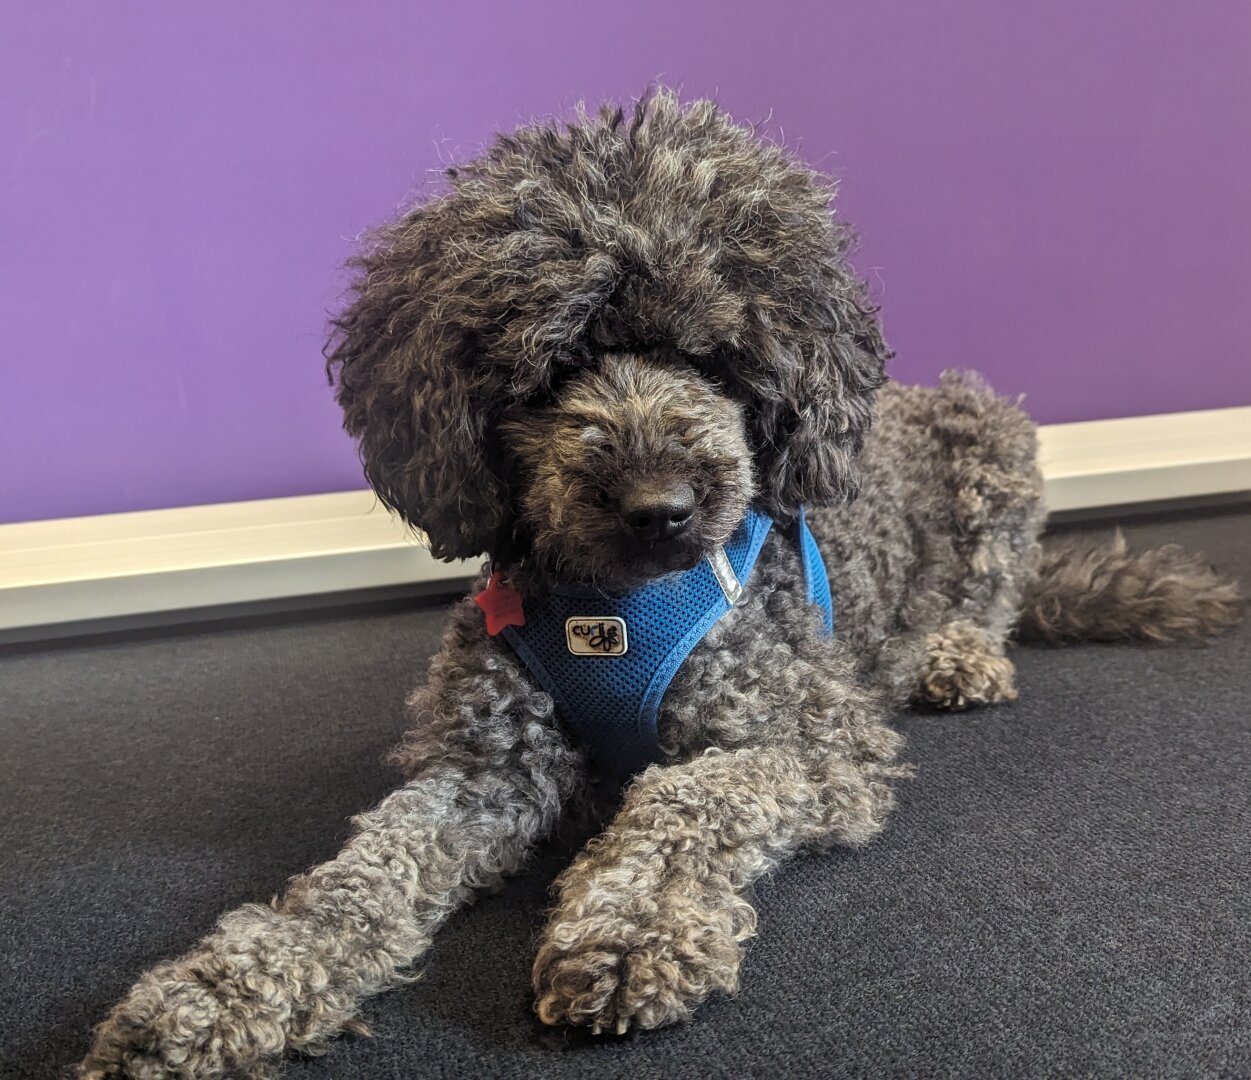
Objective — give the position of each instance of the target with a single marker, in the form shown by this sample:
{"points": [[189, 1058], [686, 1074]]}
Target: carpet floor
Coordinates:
{"points": [[1064, 890]]}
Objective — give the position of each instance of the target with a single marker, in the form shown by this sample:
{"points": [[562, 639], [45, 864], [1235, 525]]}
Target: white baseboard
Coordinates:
{"points": [[114, 565], [1146, 458], [80, 570]]}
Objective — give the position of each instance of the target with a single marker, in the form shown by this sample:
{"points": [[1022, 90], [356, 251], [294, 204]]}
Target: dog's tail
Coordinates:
{"points": [[1100, 590]]}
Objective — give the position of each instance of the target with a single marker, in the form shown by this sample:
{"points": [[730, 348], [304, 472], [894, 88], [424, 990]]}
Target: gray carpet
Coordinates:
{"points": [[1065, 888]]}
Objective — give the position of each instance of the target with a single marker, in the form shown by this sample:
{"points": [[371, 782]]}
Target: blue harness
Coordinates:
{"points": [[608, 660]]}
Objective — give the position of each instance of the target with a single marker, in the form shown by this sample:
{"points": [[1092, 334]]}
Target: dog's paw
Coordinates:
{"points": [[217, 1011], [962, 671], [169, 1025], [640, 978], [173, 1024]]}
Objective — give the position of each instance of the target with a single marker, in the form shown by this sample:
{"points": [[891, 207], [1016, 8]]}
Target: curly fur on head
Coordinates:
{"points": [[675, 230]]}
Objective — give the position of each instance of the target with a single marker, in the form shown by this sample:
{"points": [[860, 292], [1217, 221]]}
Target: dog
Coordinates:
{"points": [[628, 360]]}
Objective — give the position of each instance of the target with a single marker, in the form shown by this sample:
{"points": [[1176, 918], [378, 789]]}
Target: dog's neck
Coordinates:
{"points": [[530, 578]]}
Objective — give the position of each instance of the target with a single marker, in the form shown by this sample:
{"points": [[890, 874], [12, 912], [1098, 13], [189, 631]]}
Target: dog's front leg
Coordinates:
{"points": [[651, 917], [489, 774]]}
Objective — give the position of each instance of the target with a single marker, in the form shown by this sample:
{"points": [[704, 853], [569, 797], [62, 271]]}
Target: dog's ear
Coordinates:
{"points": [[810, 398], [410, 383]]}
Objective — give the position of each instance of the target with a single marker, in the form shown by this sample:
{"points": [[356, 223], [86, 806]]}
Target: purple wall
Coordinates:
{"points": [[1055, 193]]}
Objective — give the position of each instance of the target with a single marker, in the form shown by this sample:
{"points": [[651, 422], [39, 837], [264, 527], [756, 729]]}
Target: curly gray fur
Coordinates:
{"points": [[658, 301]]}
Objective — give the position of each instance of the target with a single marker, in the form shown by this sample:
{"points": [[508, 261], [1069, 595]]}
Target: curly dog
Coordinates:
{"points": [[603, 352]]}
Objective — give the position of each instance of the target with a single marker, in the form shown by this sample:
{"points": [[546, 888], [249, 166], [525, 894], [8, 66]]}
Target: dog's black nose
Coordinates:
{"points": [[659, 513]]}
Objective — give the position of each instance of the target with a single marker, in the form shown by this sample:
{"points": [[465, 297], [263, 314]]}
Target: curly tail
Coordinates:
{"points": [[1099, 590]]}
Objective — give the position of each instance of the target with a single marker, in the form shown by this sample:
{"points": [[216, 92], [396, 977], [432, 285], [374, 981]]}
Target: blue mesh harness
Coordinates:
{"points": [[608, 660]]}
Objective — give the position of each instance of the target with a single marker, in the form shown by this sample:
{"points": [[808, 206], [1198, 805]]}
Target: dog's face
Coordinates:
{"points": [[636, 468]]}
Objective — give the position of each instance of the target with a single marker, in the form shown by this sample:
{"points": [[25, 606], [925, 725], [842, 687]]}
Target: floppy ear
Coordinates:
{"points": [[413, 393], [811, 411]]}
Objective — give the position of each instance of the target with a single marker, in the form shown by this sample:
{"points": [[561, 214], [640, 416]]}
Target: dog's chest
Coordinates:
{"points": [[759, 669]]}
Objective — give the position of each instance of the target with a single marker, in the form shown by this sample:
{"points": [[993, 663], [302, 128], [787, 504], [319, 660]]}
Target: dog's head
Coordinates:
{"points": [[605, 341]]}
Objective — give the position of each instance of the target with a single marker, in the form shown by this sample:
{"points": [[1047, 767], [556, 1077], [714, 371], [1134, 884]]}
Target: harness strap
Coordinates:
{"points": [[815, 577], [607, 660]]}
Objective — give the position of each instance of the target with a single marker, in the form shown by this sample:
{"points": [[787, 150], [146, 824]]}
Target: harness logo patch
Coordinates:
{"points": [[596, 635]]}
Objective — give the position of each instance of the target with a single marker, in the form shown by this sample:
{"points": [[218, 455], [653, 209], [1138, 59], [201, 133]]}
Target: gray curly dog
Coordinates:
{"points": [[647, 301]]}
